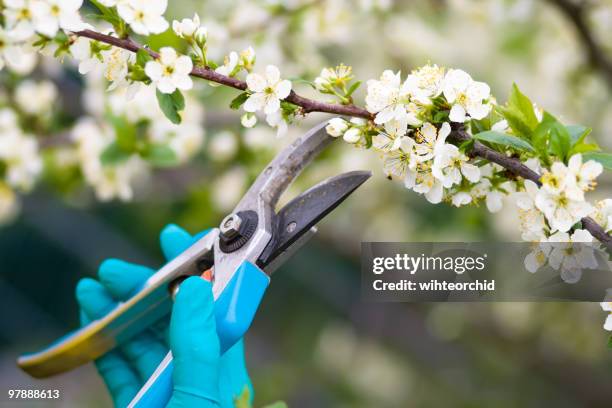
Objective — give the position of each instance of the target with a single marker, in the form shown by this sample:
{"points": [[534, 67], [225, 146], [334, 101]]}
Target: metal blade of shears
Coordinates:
{"points": [[302, 213]]}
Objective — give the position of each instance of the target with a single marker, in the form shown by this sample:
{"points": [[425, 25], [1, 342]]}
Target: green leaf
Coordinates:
{"points": [[560, 141], [107, 14], [171, 105], [441, 117], [517, 123], [504, 140], [521, 103], [467, 146], [142, 57], [113, 154], [160, 155], [126, 133], [238, 101], [604, 158], [578, 133], [353, 88]]}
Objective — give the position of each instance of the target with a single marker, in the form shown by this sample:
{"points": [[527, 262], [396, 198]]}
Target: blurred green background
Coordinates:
{"points": [[314, 343]]}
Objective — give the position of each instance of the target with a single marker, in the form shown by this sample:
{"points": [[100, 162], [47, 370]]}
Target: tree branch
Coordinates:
{"points": [[309, 105], [575, 13]]}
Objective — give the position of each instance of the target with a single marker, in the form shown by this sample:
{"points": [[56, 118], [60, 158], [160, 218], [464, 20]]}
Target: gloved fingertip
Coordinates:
{"points": [[174, 240], [122, 278], [84, 288], [194, 287], [94, 299]]}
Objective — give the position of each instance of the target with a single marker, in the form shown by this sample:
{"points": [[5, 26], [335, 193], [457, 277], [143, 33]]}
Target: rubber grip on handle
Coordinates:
{"points": [[234, 311]]}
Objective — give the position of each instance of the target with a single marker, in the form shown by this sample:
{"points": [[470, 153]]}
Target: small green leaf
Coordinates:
{"points": [[467, 146], [238, 101], [171, 105], [142, 57], [126, 133], [578, 133], [353, 88], [441, 117], [521, 103], [113, 154], [604, 158], [517, 123], [560, 141], [160, 155], [504, 140]]}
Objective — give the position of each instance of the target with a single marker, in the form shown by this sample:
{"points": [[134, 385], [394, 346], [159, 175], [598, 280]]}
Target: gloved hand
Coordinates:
{"points": [[202, 377]]}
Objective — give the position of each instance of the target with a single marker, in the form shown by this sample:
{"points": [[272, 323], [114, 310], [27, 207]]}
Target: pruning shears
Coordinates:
{"points": [[239, 257]]}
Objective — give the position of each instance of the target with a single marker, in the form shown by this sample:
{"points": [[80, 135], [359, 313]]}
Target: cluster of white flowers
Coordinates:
{"points": [[24, 18], [20, 162], [560, 202], [144, 17], [114, 62], [92, 137], [109, 182]]}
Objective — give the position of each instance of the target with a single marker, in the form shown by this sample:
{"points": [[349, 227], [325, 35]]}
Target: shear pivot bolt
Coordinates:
{"points": [[230, 226]]}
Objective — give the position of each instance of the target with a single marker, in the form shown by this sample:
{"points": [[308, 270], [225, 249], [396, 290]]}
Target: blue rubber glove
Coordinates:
{"points": [[202, 377]]}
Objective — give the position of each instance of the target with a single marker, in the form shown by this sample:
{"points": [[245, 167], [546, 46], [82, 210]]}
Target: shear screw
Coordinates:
{"points": [[230, 226]]}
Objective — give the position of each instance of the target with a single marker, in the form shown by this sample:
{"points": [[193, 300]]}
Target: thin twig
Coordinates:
{"points": [[309, 105], [596, 55]]}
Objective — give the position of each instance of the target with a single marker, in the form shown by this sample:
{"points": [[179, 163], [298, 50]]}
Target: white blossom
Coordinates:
{"points": [[559, 200], [230, 63], [170, 71], [247, 58], [467, 97], [387, 98], [450, 165], [353, 135], [532, 222], [602, 214], [332, 77], [248, 120], [584, 175], [276, 120], [267, 91], [52, 15], [109, 182], [336, 127], [421, 180], [36, 98], [81, 50], [187, 27], [19, 19], [428, 140], [425, 83], [145, 17], [20, 155], [13, 55], [115, 62], [390, 138]]}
